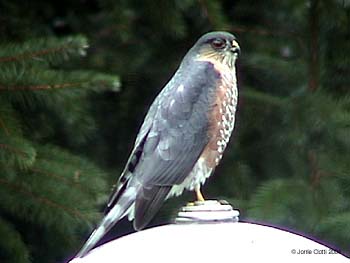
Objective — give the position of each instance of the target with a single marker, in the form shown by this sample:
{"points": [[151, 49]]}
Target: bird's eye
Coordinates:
{"points": [[218, 43]]}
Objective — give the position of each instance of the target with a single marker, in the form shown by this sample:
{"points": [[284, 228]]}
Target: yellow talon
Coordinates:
{"points": [[199, 195]]}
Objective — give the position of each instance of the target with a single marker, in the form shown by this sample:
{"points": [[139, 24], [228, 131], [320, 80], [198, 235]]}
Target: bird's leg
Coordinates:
{"points": [[199, 194]]}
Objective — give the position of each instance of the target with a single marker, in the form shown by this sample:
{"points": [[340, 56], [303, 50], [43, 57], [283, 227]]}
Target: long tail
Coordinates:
{"points": [[112, 217]]}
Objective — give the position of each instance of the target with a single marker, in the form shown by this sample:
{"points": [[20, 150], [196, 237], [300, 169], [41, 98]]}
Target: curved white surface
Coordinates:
{"points": [[202, 243]]}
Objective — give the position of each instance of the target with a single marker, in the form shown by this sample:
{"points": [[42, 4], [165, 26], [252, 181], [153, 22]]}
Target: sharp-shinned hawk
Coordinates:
{"points": [[183, 136]]}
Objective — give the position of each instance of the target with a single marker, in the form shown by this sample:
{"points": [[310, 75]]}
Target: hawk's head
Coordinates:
{"points": [[218, 46]]}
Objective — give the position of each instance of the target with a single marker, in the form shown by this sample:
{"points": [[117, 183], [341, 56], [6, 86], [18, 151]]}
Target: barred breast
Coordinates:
{"points": [[221, 118]]}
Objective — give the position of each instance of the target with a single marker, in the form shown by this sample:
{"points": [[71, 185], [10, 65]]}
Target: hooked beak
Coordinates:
{"points": [[235, 47]]}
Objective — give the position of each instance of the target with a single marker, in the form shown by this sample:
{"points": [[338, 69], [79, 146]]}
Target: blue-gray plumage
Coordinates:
{"points": [[183, 136]]}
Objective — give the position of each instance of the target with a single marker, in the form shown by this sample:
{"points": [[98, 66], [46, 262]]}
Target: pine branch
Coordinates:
{"points": [[44, 201], [35, 195], [13, 249], [51, 49], [13, 150], [9, 119], [71, 182], [74, 169], [43, 87], [3, 126], [336, 227], [21, 78], [34, 54], [17, 152], [62, 179]]}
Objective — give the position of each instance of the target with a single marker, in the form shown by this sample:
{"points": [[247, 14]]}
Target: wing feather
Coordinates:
{"points": [[147, 206], [171, 139]]}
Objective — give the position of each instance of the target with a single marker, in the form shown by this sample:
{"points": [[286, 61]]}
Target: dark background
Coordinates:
{"points": [[288, 160]]}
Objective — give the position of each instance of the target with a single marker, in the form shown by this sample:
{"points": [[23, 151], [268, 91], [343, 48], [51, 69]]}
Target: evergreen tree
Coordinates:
{"points": [[294, 129], [287, 163], [48, 194]]}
